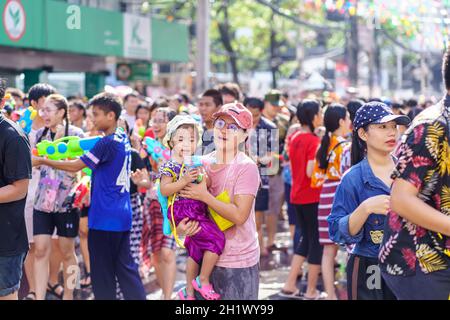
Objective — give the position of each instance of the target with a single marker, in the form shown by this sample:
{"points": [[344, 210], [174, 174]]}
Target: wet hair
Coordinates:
{"points": [[397, 106], [306, 111], [333, 114], [159, 103], [2, 88], [16, 93], [216, 95], [232, 89], [169, 113], [107, 102], [127, 127], [142, 106], [414, 112], [40, 90], [252, 102], [359, 147], [60, 103], [411, 103], [80, 105], [185, 97], [353, 106], [362, 99], [129, 95]]}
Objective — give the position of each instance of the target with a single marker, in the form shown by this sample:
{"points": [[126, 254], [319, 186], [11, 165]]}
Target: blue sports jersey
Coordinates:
{"points": [[110, 161]]}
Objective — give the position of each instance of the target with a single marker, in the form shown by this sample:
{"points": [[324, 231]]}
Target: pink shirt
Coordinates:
{"points": [[241, 177]]}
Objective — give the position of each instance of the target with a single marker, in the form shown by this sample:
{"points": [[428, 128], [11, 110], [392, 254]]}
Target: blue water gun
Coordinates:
{"points": [[26, 120], [156, 150], [164, 202], [199, 161]]}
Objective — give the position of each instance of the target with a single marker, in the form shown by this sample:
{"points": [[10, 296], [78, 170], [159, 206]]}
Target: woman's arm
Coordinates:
{"points": [[237, 212], [349, 215], [405, 202], [378, 204], [310, 168]]}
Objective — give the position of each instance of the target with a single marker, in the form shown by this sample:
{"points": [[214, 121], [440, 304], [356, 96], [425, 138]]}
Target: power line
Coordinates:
{"points": [[278, 11], [326, 28]]}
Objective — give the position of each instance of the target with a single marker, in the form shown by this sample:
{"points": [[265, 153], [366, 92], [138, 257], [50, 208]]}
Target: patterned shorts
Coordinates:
{"points": [[136, 227], [153, 238]]}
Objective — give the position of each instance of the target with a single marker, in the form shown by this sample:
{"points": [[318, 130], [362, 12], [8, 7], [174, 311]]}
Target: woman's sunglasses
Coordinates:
{"points": [[220, 124]]}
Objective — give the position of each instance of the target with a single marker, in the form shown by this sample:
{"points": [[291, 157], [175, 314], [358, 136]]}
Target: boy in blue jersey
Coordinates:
{"points": [[110, 212]]}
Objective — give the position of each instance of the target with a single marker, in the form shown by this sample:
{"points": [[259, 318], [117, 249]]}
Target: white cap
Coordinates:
{"points": [[177, 122]]}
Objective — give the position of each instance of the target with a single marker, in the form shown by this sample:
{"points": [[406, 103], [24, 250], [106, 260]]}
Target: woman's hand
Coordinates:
{"points": [[188, 228], [139, 176], [378, 204], [195, 191], [135, 141]]}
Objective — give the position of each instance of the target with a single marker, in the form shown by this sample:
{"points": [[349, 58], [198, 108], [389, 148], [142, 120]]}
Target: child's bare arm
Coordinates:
{"points": [[169, 188], [67, 165]]}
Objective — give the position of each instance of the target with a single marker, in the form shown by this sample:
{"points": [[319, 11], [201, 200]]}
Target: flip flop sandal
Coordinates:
{"points": [[207, 292], [291, 294], [319, 296], [30, 296], [52, 289], [87, 276], [183, 295]]}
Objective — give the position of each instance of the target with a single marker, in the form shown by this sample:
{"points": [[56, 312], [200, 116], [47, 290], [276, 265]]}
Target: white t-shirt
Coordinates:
{"points": [[131, 120], [32, 188]]}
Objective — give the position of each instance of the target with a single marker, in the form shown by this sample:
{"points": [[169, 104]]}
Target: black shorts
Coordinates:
{"points": [[365, 281], [262, 200], [84, 212], [66, 223]]}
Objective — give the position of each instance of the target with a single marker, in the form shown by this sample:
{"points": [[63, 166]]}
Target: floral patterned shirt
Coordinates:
{"points": [[424, 161], [170, 166], [55, 185], [335, 163]]}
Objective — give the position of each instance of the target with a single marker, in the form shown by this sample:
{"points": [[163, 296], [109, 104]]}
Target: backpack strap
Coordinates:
{"points": [[171, 203], [334, 148]]}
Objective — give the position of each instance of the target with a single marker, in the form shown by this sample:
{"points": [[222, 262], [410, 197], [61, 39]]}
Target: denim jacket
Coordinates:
{"points": [[357, 185]]}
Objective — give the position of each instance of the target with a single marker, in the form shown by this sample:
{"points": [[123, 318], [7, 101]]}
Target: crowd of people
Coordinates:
{"points": [[368, 176]]}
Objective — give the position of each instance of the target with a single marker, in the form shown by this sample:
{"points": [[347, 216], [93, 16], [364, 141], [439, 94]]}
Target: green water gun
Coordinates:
{"points": [[66, 148]]}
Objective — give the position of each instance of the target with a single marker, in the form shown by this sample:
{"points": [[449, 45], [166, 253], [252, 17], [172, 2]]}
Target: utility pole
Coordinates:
{"points": [[273, 50], [399, 54], [353, 50], [273, 60], [203, 50]]}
